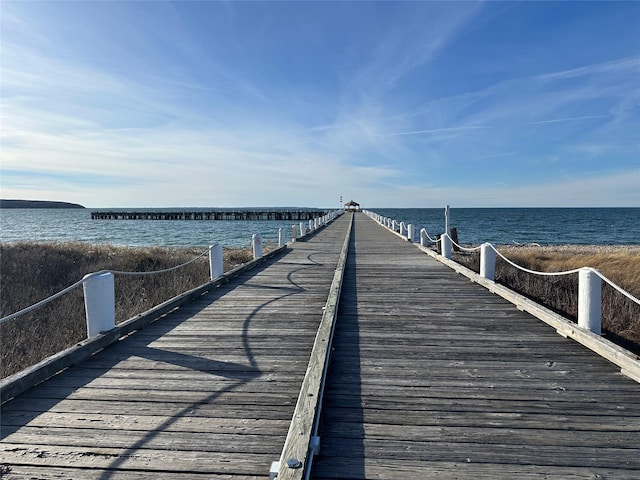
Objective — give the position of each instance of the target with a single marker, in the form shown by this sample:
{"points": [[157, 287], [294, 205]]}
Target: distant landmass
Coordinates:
{"points": [[37, 204]]}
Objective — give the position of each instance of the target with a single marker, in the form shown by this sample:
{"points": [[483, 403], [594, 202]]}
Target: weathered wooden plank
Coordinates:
{"points": [[189, 422], [470, 400], [384, 469], [469, 452], [34, 472], [423, 436], [267, 443], [149, 460], [569, 418], [34, 407]]}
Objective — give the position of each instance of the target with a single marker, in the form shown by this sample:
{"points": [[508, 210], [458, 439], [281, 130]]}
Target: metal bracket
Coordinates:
{"points": [[314, 445], [273, 472]]}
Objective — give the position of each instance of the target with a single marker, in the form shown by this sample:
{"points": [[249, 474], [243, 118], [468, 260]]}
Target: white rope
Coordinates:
{"points": [[80, 282], [534, 272], [116, 272], [463, 248], [43, 302], [618, 288], [568, 272], [428, 236]]}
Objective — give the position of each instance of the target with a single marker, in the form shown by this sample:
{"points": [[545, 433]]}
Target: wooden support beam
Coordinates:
{"points": [[299, 446]]}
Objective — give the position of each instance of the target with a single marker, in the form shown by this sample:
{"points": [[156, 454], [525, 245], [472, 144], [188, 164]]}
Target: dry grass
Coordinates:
{"points": [[30, 272], [620, 315]]}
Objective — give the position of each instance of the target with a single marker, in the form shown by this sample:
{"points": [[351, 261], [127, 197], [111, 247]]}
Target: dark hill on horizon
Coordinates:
{"points": [[36, 204]]}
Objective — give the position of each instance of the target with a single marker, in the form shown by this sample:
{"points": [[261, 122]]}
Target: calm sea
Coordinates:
{"points": [[597, 226]]}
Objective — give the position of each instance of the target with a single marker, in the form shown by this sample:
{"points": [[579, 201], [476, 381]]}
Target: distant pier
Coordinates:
{"points": [[282, 215]]}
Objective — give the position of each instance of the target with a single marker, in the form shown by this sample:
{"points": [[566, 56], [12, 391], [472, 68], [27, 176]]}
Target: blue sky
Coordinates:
{"points": [[393, 104]]}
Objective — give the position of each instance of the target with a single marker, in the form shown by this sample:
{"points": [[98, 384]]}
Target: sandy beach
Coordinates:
{"points": [[571, 249]]}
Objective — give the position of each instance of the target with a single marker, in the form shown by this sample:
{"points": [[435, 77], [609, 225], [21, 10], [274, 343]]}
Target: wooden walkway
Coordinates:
{"points": [[207, 392], [432, 376]]}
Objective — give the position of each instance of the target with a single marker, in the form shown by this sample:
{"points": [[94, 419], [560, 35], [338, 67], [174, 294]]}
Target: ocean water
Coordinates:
{"points": [[546, 226], [71, 225]]}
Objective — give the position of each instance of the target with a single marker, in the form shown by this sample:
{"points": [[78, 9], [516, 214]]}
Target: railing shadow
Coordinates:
{"points": [[65, 383]]}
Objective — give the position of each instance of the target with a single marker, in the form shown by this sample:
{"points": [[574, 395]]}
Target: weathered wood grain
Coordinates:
{"points": [[298, 446], [207, 391], [433, 376]]}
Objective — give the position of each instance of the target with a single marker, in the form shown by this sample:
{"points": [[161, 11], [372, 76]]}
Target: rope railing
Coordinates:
{"points": [[589, 279], [154, 272], [87, 278], [42, 303], [533, 272], [426, 234], [465, 249], [617, 287]]}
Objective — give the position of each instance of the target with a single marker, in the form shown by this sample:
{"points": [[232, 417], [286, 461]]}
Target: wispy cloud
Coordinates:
{"points": [[437, 130], [569, 119]]}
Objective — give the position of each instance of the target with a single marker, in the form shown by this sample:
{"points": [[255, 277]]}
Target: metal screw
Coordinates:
{"points": [[293, 463]]}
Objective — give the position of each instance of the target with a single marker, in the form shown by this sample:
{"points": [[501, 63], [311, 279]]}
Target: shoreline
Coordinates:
{"points": [[566, 249], [572, 249]]}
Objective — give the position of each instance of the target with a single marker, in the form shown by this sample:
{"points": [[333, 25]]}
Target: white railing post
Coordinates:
{"points": [[411, 231], [99, 302], [403, 229], [310, 226], [447, 228], [216, 264], [303, 230], [394, 225], [589, 300], [445, 246], [281, 241], [256, 243], [423, 237], [487, 261], [294, 233]]}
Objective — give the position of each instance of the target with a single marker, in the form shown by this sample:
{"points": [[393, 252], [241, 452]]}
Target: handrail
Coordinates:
{"points": [[432, 240], [153, 272], [41, 303], [618, 288], [465, 249]]}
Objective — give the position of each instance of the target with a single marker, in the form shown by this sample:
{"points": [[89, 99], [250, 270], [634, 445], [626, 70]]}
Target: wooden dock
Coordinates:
{"points": [[280, 215], [431, 376]]}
